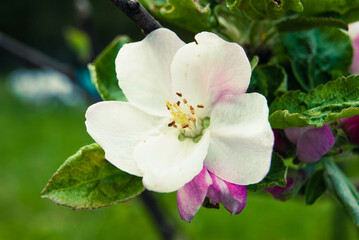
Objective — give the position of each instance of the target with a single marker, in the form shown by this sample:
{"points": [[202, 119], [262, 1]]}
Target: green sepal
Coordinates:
{"points": [[275, 177], [87, 180], [318, 56], [315, 187], [328, 102], [306, 23], [103, 71], [341, 188]]}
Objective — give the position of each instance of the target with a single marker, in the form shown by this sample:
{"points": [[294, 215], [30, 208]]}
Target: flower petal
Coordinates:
{"points": [[210, 69], [351, 128], [294, 133], [232, 196], [168, 164], [279, 192], [241, 140], [191, 196], [118, 127], [143, 70], [314, 143]]}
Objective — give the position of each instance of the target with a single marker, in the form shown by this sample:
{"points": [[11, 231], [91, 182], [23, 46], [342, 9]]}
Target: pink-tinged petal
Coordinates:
{"points": [[355, 62], [278, 192], [209, 70], [351, 128], [354, 35], [232, 196], [191, 196], [314, 143], [143, 70], [242, 140], [294, 133]]}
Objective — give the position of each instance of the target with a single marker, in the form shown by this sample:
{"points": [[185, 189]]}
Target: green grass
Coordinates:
{"points": [[36, 140]]}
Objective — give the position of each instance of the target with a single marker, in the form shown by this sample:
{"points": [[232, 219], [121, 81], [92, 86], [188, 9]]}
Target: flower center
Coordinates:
{"points": [[185, 118]]}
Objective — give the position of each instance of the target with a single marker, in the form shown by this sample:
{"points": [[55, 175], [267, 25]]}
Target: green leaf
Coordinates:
{"points": [[79, 42], [103, 71], [87, 180], [275, 177], [254, 62], [318, 55], [342, 188], [343, 7], [315, 187], [270, 9], [334, 100], [192, 15], [269, 80], [234, 4], [306, 23]]}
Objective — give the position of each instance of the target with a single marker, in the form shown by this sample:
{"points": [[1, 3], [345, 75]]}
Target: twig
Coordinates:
{"points": [[138, 14], [39, 59], [164, 226], [34, 56]]}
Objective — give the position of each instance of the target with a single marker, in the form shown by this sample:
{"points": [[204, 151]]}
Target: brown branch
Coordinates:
{"points": [[138, 14], [39, 59]]}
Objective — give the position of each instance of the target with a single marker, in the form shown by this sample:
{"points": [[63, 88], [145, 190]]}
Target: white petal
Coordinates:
{"points": [[210, 69], [241, 140], [168, 164], [118, 127], [143, 70], [353, 30]]}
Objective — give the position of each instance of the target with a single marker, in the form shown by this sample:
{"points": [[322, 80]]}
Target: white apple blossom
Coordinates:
{"points": [[187, 108]]}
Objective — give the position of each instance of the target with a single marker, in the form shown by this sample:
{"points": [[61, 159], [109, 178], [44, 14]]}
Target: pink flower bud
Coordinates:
{"points": [[351, 128]]}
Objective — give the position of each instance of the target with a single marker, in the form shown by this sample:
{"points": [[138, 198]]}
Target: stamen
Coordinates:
{"points": [[185, 101], [200, 106], [171, 123], [178, 103], [191, 108], [179, 94], [185, 125]]}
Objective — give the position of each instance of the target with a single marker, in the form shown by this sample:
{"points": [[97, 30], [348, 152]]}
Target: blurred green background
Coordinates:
{"points": [[37, 138]]}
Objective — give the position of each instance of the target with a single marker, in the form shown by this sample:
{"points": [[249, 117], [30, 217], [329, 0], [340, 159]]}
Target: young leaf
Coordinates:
{"points": [[103, 73], [254, 62], [343, 7], [318, 56], [334, 100], [192, 15], [306, 23], [342, 188], [315, 187], [275, 177], [234, 4], [270, 9], [87, 180]]}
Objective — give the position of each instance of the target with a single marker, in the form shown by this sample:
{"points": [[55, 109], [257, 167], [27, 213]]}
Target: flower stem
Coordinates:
{"points": [[164, 225], [138, 14]]}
